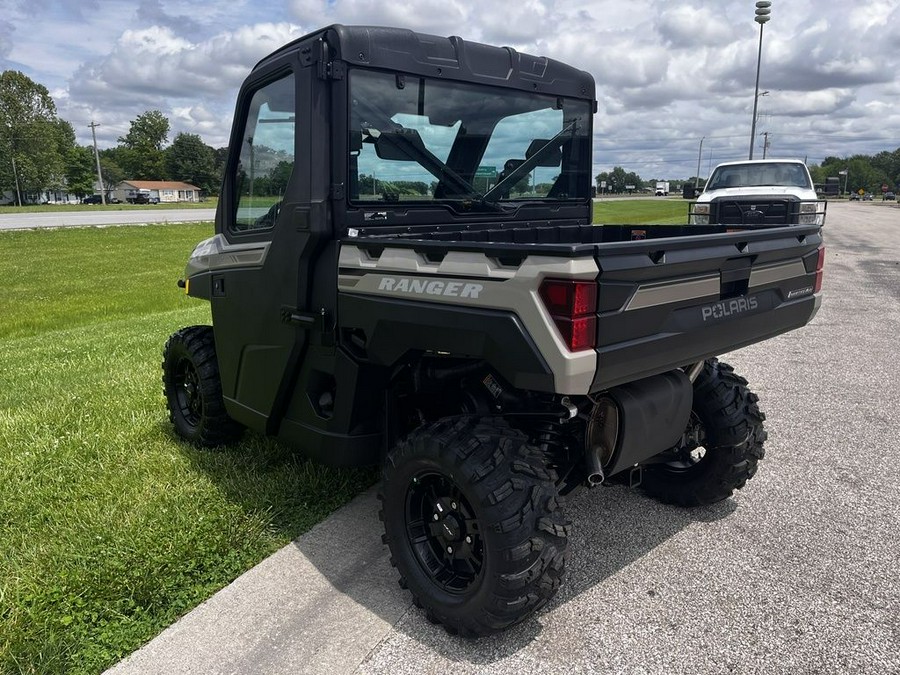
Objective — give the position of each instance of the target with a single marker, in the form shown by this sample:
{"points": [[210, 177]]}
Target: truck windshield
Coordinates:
{"points": [[415, 139], [783, 174]]}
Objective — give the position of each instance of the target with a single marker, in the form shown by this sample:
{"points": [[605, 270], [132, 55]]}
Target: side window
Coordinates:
{"points": [[266, 156]]}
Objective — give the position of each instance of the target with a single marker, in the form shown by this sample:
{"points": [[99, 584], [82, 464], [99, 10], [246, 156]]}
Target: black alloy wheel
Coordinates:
{"points": [[187, 392], [444, 532], [193, 389]]}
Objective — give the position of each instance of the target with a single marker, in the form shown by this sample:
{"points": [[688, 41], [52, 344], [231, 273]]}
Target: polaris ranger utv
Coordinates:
{"points": [[404, 273]]}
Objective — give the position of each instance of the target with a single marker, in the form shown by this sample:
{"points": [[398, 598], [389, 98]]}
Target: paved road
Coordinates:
{"points": [[799, 573], [85, 217]]}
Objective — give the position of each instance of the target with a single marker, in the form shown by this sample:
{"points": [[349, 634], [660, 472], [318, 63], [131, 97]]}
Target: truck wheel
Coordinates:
{"points": [[721, 447], [474, 524], [193, 389]]}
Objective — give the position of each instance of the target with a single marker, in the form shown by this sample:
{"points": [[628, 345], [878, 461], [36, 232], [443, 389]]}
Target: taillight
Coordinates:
{"points": [[820, 264], [573, 307]]}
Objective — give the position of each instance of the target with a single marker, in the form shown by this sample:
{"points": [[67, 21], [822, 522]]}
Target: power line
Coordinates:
{"points": [[678, 139]]}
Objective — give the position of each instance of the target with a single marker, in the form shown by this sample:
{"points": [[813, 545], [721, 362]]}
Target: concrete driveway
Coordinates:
{"points": [[799, 573]]}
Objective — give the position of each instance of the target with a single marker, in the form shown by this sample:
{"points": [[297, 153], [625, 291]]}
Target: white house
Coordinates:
{"points": [[43, 197], [162, 191]]}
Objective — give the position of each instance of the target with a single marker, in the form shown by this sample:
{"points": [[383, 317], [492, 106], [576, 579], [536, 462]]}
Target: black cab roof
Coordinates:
{"points": [[430, 55]]}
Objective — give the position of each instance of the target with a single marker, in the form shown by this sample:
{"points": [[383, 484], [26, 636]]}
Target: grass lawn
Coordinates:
{"points": [[658, 211], [111, 528]]}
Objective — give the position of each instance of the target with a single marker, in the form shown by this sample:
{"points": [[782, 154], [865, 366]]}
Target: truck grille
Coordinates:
{"points": [[755, 212]]}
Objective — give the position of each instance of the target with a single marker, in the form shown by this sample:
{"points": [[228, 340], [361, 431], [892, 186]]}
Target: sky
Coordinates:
{"points": [[675, 80]]}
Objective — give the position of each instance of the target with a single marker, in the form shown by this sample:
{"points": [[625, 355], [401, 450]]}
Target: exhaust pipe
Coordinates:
{"points": [[602, 434], [694, 371], [595, 473]]}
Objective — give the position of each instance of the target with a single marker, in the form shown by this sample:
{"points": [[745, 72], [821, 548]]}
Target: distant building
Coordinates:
{"points": [[156, 191], [42, 197]]}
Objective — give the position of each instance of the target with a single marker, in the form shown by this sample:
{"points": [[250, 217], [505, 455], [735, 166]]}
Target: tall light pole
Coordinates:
{"points": [[699, 155], [93, 125], [763, 12]]}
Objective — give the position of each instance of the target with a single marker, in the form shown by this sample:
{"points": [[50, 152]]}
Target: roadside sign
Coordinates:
{"points": [[486, 172]]}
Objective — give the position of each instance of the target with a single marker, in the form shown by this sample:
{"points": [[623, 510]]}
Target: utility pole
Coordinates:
{"points": [[16, 177], [93, 125], [12, 156], [765, 143]]}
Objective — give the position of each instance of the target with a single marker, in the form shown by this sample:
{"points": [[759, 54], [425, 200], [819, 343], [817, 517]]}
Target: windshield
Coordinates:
{"points": [[784, 174], [415, 139]]}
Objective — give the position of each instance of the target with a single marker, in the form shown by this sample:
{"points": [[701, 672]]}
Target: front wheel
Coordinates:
{"points": [[721, 447], [193, 389], [474, 524]]}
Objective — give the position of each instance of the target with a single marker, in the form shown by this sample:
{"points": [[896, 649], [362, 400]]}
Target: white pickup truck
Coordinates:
{"points": [[762, 192]]}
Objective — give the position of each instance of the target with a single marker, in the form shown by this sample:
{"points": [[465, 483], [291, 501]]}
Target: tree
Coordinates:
{"points": [[631, 178], [189, 159], [31, 136], [279, 177], [113, 174], [140, 150], [148, 131], [696, 181], [616, 180], [80, 171], [864, 172]]}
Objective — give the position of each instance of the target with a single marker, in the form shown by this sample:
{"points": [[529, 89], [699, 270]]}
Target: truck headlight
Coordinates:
{"points": [[700, 214], [810, 214]]}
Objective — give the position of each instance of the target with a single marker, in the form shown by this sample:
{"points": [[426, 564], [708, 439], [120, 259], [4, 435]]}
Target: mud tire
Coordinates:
{"points": [[507, 502], [193, 389], [732, 426]]}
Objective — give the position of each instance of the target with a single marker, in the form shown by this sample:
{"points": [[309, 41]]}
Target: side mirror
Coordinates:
{"points": [[511, 165], [402, 145], [551, 157], [356, 140]]}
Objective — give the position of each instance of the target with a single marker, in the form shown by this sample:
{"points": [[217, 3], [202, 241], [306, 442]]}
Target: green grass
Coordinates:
{"points": [[209, 203], [111, 528], [658, 211]]}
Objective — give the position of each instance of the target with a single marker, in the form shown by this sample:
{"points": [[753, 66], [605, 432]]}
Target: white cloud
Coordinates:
{"points": [[153, 68], [667, 73]]}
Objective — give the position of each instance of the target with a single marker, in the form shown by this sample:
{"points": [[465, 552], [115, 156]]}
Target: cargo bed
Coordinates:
{"points": [[668, 295]]}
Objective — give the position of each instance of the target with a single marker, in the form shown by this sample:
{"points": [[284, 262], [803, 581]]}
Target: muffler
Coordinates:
{"points": [[635, 421]]}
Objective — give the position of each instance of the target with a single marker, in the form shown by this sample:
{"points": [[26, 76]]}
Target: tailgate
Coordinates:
{"points": [[667, 303]]}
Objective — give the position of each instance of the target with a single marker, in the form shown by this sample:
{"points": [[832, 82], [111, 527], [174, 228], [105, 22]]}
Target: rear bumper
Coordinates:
{"points": [[687, 337]]}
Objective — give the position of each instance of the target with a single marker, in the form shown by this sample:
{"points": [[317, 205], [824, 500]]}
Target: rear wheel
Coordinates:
{"points": [[474, 523], [193, 389], [721, 447]]}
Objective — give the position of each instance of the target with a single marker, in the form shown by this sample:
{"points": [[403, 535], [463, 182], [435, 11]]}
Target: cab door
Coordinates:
{"points": [[258, 291]]}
